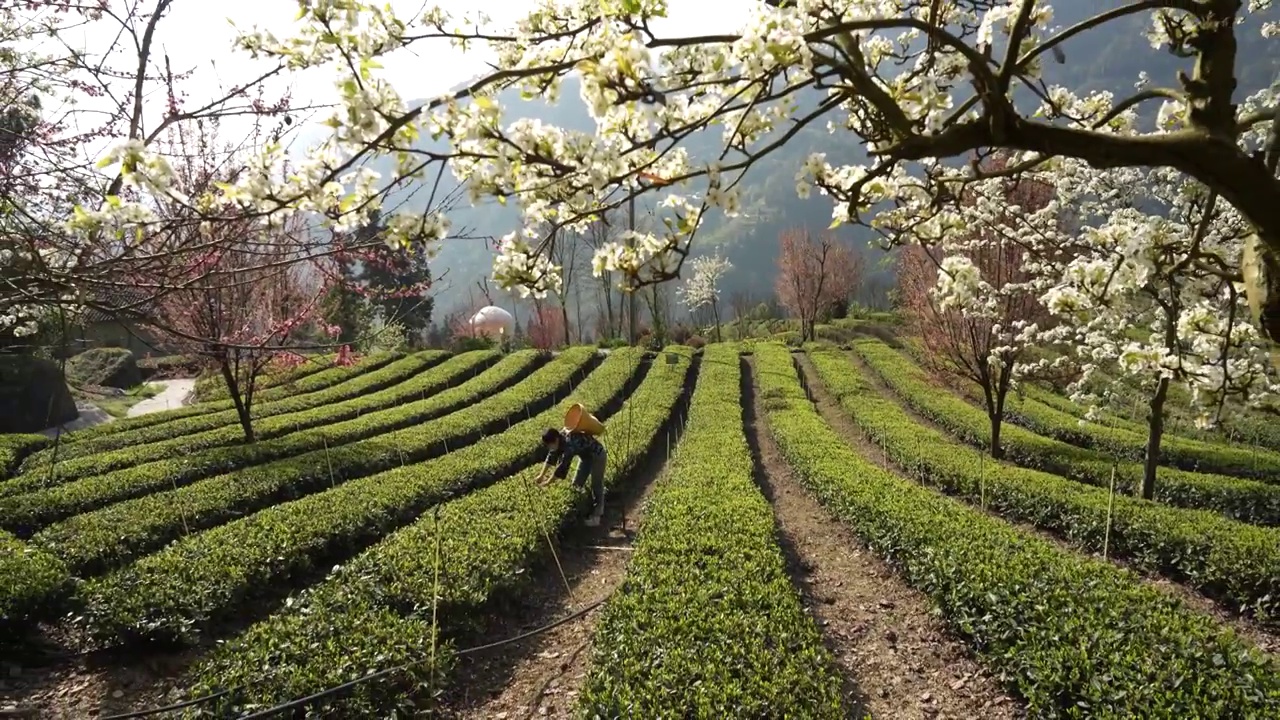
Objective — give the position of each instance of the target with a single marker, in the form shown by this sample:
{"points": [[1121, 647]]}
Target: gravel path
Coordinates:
{"points": [[90, 415], [173, 394]]}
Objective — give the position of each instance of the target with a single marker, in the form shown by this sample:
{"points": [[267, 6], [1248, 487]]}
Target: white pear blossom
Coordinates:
{"points": [[892, 85], [703, 287]]}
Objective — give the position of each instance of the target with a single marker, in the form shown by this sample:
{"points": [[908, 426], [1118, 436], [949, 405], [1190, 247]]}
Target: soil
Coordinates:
{"points": [[1265, 639], [884, 634], [543, 675], [89, 685]]}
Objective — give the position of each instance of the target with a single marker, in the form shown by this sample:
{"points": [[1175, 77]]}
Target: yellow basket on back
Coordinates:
{"points": [[577, 419]]}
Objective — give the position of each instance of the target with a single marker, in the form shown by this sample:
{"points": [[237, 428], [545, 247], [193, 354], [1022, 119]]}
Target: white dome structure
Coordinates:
{"points": [[492, 321]]}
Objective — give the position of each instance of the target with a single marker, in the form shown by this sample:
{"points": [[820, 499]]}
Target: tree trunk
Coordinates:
{"points": [[655, 314], [997, 421], [564, 318], [632, 315], [996, 397], [1155, 432], [619, 313], [577, 310], [243, 409], [606, 279], [715, 315]]}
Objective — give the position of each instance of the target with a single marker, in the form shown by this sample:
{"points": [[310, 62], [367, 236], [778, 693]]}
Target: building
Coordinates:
{"points": [[121, 328]]}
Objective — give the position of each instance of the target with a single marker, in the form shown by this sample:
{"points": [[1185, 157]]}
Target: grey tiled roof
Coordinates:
{"points": [[129, 302]]}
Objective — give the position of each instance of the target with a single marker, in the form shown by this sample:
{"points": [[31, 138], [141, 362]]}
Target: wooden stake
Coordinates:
{"points": [[329, 461], [982, 479], [1111, 499]]}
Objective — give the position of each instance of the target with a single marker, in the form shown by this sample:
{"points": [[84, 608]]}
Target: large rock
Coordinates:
{"points": [[107, 367], [33, 395]]}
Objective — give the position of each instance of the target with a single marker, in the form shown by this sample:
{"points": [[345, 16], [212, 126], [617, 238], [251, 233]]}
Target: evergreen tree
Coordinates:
{"points": [[345, 308], [396, 282], [345, 305]]}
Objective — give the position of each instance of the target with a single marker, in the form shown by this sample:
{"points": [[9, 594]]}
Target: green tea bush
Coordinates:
{"points": [[211, 387], [377, 608], [15, 447], [1235, 563], [118, 533], [1037, 412], [179, 592], [349, 399], [35, 500], [32, 583], [320, 377], [707, 623], [1245, 500], [1074, 637]]}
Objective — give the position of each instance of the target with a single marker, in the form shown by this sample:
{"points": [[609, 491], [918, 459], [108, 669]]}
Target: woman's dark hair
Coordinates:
{"points": [[550, 436]]}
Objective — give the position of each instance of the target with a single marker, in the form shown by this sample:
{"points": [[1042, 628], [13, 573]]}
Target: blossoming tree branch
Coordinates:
{"points": [[929, 87], [917, 82], [119, 182]]}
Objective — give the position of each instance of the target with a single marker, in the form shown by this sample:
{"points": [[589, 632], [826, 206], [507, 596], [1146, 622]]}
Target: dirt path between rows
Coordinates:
{"points": [[883, 633], [543, 676], [1264, 639]]}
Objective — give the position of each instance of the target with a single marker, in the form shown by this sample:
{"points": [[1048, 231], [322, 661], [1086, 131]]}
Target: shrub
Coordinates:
{"points": [[366, 392], [118, 533], [312, 383], [681, 333], [373, 609], [13, 448], [790, 338], [287, 368], [465, 343], [1245, 500], [707, 619], [168, 367], [1076, 637], [390, 337], [1047, 414], [33, 395], [232, 564], [32, 582], [1235, 563], [696, 342]]}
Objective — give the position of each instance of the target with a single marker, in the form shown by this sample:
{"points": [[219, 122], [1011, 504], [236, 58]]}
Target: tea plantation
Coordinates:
{"points": [[360, 557]]}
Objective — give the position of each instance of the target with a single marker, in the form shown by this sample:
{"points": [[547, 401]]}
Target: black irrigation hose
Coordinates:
{"points": [[168, 708], [299, 702], [381, 673], [536, 631]]}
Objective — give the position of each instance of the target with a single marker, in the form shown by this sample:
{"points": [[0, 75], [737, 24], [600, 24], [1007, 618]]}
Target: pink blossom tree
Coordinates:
{"points": [[546, 327], [983, 340], [63, 99], [813, 275], [240, 314], [236, 292]]}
